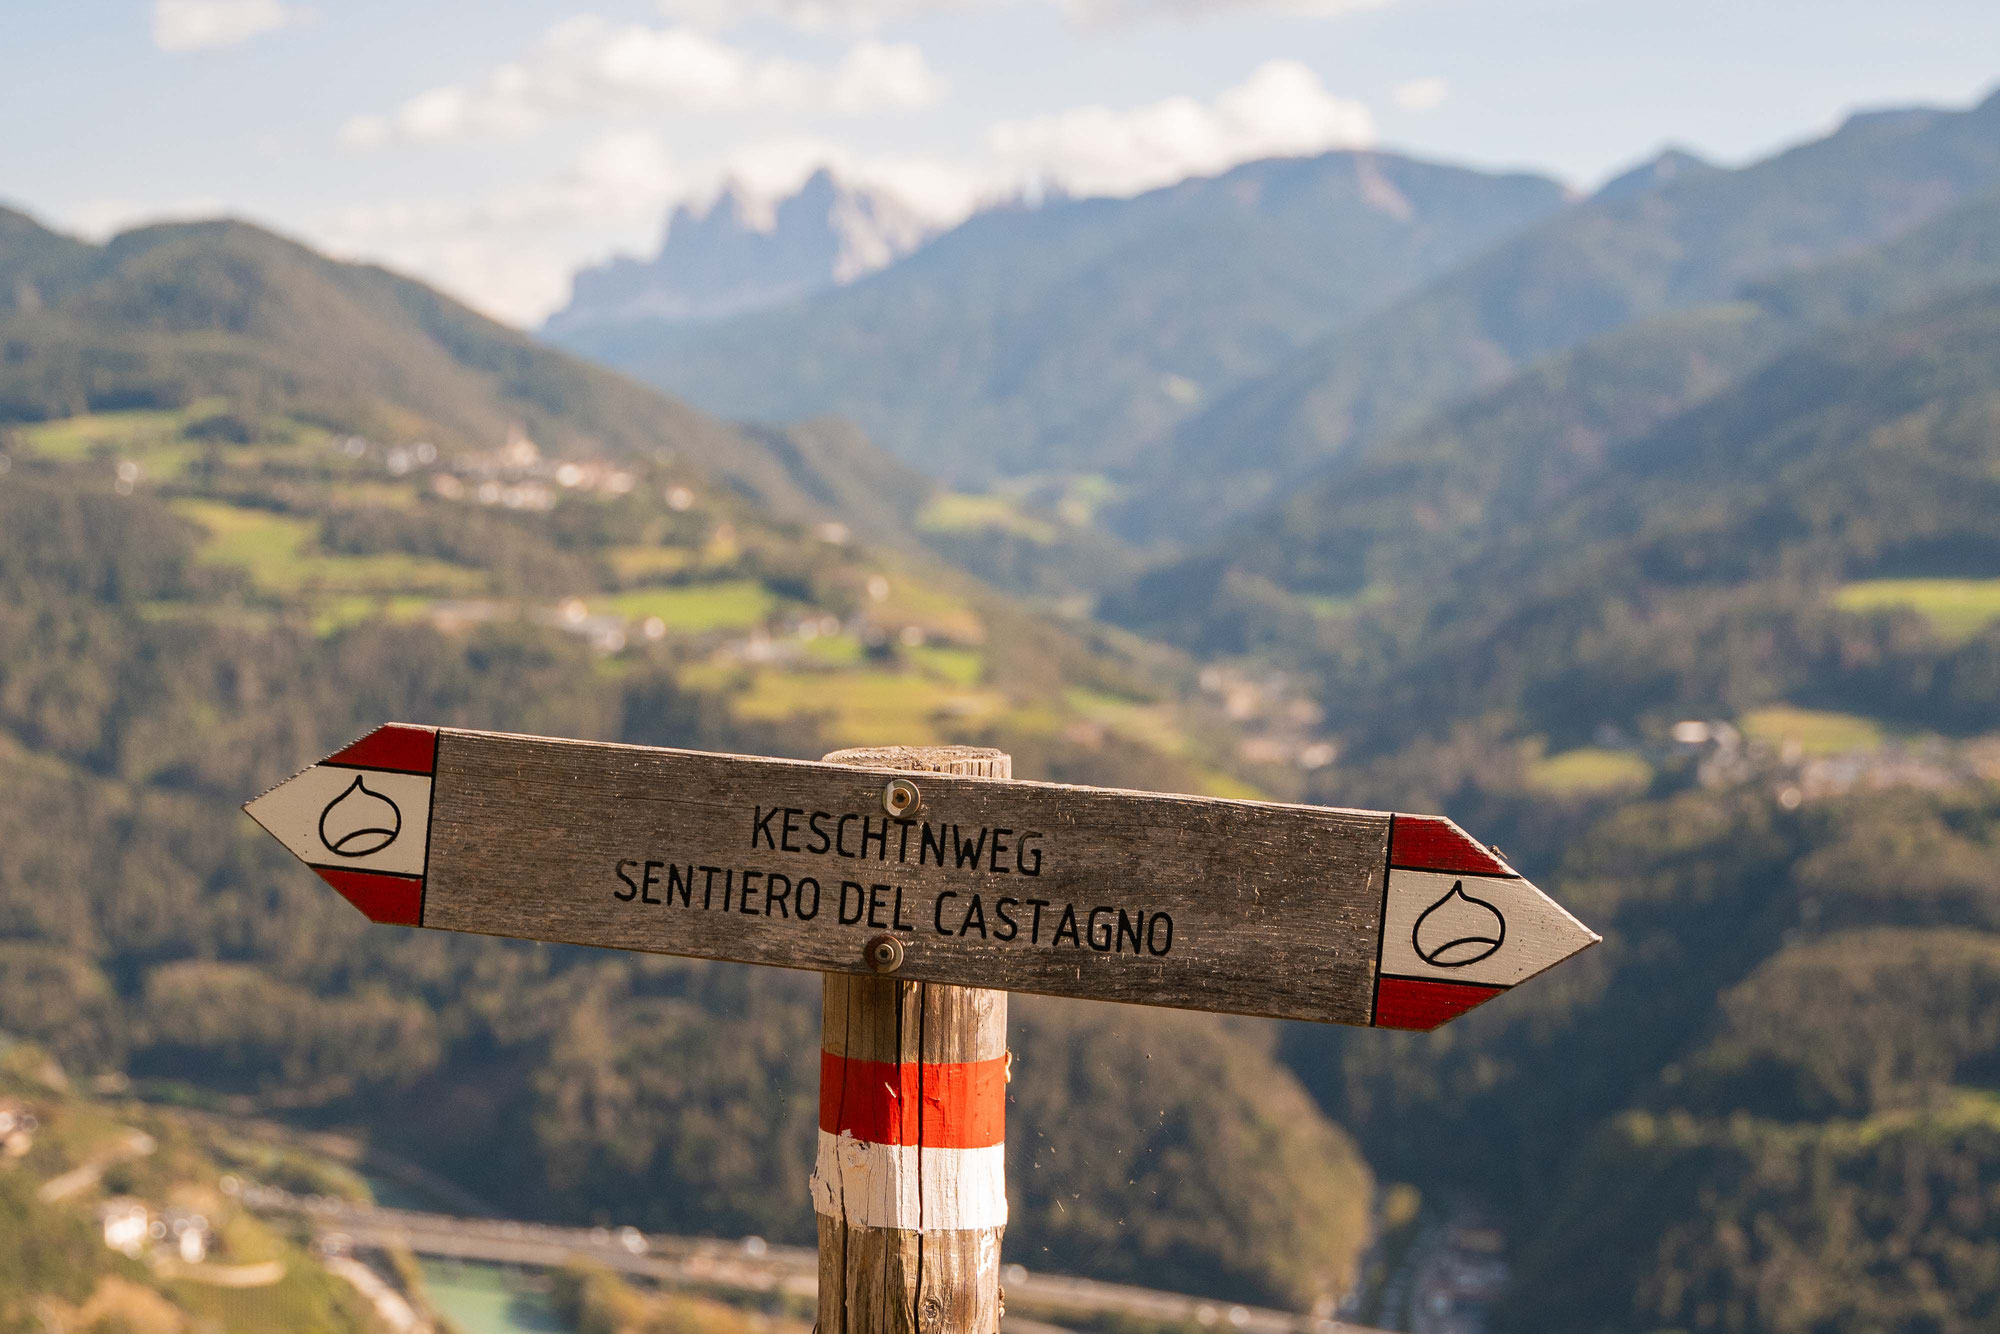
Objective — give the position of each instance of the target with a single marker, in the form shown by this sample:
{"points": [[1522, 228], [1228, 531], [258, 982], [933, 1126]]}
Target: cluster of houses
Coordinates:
{"points": [[17, 1130], [132, 1228]]}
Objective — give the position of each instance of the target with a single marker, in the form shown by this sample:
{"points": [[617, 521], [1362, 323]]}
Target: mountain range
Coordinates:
{"points": [[1067, 336], [740, 252]]}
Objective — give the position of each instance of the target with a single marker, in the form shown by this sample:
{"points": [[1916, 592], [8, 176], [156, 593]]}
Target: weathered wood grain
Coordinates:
{"points": [[1255, 908], [923, 1279]]}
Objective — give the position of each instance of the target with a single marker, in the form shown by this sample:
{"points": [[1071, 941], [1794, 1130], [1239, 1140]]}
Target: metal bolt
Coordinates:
{"points": [[883, 953], [901, 797]]}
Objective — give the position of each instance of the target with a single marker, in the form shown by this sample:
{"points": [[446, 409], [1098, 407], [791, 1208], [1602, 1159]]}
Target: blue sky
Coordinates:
{"points": [[494, 146]]}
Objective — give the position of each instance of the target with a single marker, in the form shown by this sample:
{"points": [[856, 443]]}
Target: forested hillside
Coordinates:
{"points": [[255, 502], [1703, 619], [1690, 239]]}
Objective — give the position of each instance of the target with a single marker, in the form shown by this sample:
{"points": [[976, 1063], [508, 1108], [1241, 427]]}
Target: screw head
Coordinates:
{"points": [[883, 953], [901, 797]]}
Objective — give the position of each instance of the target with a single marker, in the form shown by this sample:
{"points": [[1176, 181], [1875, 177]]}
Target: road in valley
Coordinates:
{"points": [[750, 1265]]}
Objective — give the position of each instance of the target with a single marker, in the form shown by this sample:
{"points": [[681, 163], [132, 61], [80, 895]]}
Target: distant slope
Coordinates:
{"points": [[165, 315], [1412, 507], [1066, 336], [1694, 238]]}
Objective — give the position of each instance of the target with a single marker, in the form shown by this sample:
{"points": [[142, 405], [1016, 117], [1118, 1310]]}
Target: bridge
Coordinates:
{"points": [[749, 1265]]}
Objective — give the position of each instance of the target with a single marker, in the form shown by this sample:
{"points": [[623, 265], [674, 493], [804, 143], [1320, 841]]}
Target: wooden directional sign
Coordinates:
{"points": [[1298, 912]]}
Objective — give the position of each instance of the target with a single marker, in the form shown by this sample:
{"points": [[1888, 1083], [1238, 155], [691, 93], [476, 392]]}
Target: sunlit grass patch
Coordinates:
{"points": [[1814, 731], [634, 563], [865, 707], [1215, 783], [279, 552], [960, 512], [841, 650], [1958, 608], [356, 609], [731, 604], [959, 666], [1151, 725], [937, 613], [70, 439], [1589, 771]]}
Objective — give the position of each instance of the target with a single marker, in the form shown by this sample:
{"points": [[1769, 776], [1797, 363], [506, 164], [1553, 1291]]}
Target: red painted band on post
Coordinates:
{"points": [[1429, 843], [1420, 1004], [951, 1105], [394, 746]]}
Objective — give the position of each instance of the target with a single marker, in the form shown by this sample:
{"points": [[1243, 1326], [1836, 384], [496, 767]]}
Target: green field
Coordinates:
{"points": [[958, 512], [862, 707], [1588, 771], [1958, 608], [732, 604], [1816, 731], [279, 552]]}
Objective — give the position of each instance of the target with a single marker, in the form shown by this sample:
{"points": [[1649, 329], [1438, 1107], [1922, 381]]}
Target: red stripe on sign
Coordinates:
{"points": [[1430, 843], [394, 746], [952, 1105], [1409, 1002], [393, 900]]}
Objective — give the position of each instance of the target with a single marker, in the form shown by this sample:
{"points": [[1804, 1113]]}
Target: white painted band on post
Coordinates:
{"points": [[904, 1186]]}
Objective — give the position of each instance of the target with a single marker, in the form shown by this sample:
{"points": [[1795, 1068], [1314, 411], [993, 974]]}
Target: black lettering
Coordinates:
{"points": [[684, 883], [1035, 927], [897, 916], [743, 904], [967, 860], [860, 902], [631, 889], [728, 886], [1152, 928], [760, 825], [775, 897], [903, 848], [1067, 926], [1021, 851], [791, 828], [937, 911], [840, 835], [807, 914], [1007, 929], [929, 846], [647, 881], [880, 837], [708, 885], [875, 903], [975, 918], [1100, 943], [999, 847], [1129, 925], [820, 841]]}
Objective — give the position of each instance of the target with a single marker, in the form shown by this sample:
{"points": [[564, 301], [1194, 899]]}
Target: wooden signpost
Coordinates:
{"points": [[925, 886]]}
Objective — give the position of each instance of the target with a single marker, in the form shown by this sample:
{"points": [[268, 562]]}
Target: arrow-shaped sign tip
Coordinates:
{"points": [[1460, 926], [360, 818]]}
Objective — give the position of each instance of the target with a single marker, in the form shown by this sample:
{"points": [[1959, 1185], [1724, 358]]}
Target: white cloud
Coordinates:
{"points": [[812, 15], [819, 15], [1281, 110], [588, 66], [1422, 94], [196, 25], [511, 253]]}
